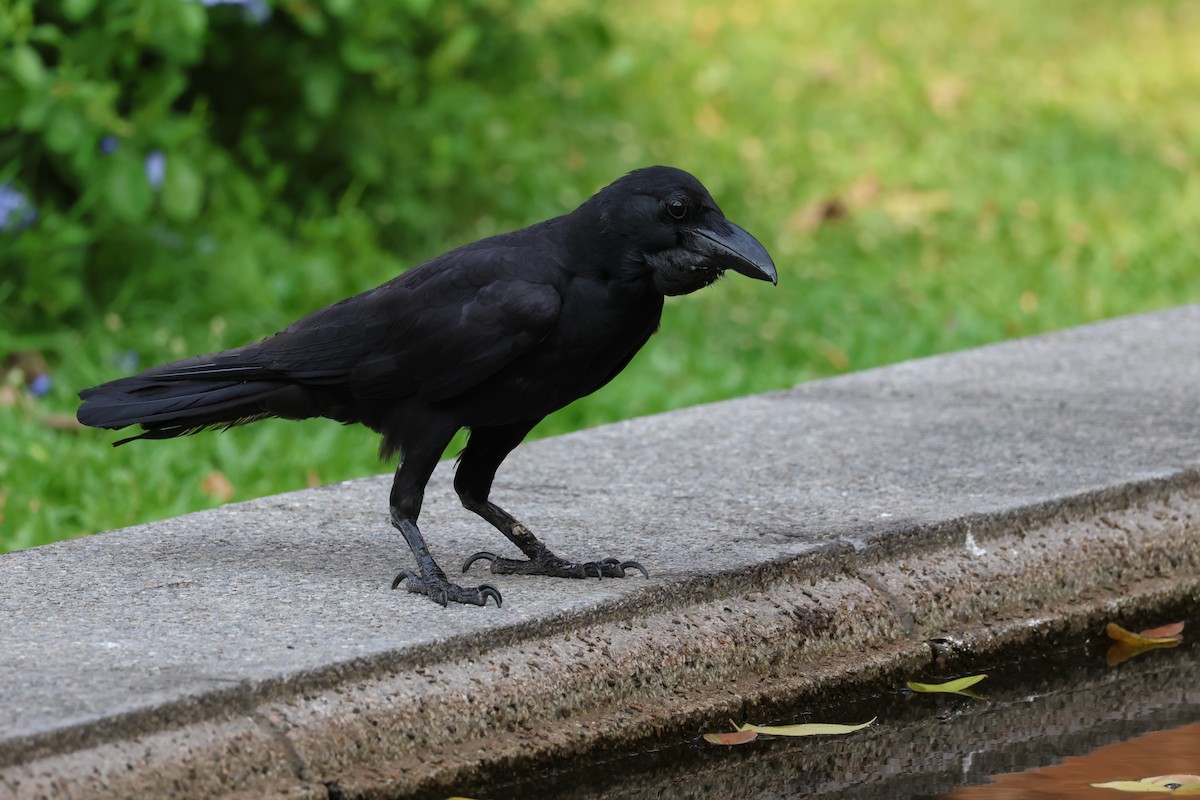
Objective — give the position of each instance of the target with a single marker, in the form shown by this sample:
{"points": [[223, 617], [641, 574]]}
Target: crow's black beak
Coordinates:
{"points": [[730, 247]]}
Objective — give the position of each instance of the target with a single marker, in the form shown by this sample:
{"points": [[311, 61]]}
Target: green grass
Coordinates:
{"points": [[1005, 169]]}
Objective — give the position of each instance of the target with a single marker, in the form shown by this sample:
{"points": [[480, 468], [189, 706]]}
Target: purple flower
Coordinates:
{"points": [[16, 211], [128, 362], [156, 169], [109, 145], [258, 11], [40, 385]]}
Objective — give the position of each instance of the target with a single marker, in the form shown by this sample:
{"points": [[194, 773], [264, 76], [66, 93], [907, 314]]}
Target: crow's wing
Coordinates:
{"points": [[434, 331]]}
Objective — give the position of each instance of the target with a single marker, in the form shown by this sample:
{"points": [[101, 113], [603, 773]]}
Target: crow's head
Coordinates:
{"points": [[670, 228]]}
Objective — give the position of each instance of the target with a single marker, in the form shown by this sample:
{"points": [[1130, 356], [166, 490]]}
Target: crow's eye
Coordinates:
{"points": [[677, 208]]}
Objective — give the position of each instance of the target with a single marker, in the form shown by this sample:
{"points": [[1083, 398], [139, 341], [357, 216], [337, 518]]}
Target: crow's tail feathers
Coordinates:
{"points": [[193, 395], [166, 409]]}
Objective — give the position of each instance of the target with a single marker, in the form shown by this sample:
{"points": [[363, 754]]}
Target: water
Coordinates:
{"points": [[1052, 721]]}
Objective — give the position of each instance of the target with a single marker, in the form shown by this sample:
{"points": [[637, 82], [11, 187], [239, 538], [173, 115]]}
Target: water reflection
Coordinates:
{"points": [[1163, 753]]}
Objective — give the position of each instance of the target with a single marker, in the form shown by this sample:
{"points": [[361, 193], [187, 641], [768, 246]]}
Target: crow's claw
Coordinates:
{"points": [[624, 565], [482, 555], [546, 563], [405, 575], [442, 592], [487, 590]]}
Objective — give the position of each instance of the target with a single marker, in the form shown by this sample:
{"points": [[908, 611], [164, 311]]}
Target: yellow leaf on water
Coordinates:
{"points": [[1175, 782], [806, 729], [1132, 786], [1119, 634], [1161, 784], [1121, 651], [1130, 644], [1172, 630], [952, 687]]}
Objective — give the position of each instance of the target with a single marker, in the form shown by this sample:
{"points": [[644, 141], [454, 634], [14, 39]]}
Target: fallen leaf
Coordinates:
{"points": [[863, 191], [1119, 634], [24, 376], [1132, 786], [1121, 652], [735, 737], [10, 396], [1161, 784], [1175, 782], [817, 213], [955, 686], [217, 486], [1176, 157], [1166, 631], [61, 422], [836, 356], [26, 365], [312, 478], [911, 207], [805, 729], [709, 121], [945, 94], [1130, 644]]}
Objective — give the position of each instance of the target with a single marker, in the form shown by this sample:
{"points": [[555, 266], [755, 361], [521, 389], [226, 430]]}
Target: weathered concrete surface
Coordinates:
{"points": [[796, 539]]}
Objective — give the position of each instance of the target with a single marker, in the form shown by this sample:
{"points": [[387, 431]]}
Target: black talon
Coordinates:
{"points": [[405, 575], [624, 565], [588, 566], [482, 555], [487, 590]]}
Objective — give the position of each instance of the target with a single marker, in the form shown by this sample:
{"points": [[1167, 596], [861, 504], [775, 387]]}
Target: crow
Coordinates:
{"points": [[491, 337]]}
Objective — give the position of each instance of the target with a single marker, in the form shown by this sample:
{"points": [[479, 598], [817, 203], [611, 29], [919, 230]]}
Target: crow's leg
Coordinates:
{"points": [[486, 449], [408, 492]]}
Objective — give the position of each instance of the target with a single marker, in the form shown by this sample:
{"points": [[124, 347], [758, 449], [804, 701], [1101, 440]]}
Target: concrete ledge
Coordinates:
{"points": [[800, 542]]}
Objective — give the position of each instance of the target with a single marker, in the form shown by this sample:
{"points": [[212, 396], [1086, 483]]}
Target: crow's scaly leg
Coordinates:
{"points": [[486, 449], [408, 493]]}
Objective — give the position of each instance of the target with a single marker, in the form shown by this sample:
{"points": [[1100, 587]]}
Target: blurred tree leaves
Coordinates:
{"points": [[198, 138]]}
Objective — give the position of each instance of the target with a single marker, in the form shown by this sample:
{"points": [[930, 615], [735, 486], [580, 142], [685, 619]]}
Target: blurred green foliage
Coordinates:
{"points": [[927, 178], [332, 130]]}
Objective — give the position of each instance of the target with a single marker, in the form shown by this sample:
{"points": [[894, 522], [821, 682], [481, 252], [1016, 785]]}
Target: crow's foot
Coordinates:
{"points": [[546, 563], [442, 592]]}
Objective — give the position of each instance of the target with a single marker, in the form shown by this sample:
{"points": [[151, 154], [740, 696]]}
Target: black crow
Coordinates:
{"points": [[491, 337]]}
